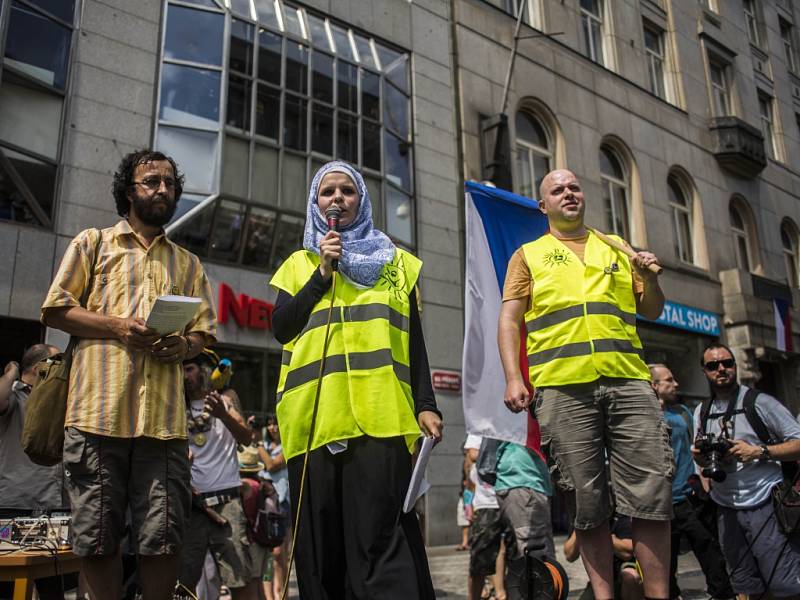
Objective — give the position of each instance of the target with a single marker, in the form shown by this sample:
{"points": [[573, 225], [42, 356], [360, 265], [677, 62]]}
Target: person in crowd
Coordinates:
{"points": [[687, 505], [759, 556], [217, 522], [628, 583], [125, 439], [464, 512], [523, 493], [271, 453], [486, 548], [374, 398], [26, 489], [578, 298]]}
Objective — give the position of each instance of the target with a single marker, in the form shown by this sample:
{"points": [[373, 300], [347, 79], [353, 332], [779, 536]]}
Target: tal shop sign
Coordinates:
{"points": [[446, 381], [247, 312]]}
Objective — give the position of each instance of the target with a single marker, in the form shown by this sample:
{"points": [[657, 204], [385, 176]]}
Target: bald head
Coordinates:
{"points": [[546, 181], [664, 384]]}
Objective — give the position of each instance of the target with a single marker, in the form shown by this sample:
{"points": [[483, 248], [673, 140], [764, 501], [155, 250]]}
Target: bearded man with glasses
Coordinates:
{"points": [[125, 442], [757, 553]]}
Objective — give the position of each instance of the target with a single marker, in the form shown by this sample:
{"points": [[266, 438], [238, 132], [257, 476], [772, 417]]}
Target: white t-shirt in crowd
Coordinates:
{"points": [[484, 493], [215, 466]]}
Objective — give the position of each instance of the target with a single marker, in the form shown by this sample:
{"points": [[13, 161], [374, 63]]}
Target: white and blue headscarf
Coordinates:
{"points": [[365, 250]]}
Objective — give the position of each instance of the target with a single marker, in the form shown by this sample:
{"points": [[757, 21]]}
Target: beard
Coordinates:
{"points": [[151, 212]]}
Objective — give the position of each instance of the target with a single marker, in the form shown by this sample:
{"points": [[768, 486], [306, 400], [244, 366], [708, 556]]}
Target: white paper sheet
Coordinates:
{"points": [[419, 485], [172, 313]]}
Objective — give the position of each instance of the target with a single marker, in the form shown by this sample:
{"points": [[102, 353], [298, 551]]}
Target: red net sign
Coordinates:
{"points": [[446, 381]]}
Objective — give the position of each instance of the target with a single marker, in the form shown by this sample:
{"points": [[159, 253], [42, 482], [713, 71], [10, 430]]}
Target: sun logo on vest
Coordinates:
{"points": [[556, 257], [393, 278]]}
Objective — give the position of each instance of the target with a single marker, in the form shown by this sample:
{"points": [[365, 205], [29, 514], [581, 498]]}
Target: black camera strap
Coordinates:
{"points": [[727, 416]]}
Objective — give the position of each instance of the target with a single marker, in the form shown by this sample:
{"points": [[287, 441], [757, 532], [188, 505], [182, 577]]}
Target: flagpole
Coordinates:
{"points": [[513, 56]]}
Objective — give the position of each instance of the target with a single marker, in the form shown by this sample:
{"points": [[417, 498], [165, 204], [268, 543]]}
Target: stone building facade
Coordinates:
{"points": [[680, 118]]}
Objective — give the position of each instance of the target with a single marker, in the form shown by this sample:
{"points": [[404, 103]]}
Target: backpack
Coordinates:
{"points": [[266, 522], [487, 460]]}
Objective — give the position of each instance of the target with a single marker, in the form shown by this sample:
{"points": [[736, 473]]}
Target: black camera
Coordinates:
{"points": [[713, 448]]}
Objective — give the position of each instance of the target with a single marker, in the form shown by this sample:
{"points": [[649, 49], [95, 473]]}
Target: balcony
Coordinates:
{"points": [[738, 147]]}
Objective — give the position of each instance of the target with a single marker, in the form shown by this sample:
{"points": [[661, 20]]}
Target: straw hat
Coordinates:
{"points": [[248, 460]]}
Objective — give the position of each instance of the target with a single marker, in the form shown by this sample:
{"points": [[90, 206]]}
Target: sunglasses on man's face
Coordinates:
{"points": [[713, 365]]}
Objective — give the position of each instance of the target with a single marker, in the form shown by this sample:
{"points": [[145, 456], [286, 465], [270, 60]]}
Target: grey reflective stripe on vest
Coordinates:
{"points": [[359, 361], [582, 349], [624, 346], [356, 314], [573, 312], [286, 358]]}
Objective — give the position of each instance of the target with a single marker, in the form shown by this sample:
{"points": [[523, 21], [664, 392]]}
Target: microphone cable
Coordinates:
{"points": [[310, 437]]}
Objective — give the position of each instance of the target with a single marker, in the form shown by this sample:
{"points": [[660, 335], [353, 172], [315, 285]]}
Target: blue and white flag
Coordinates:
{"points": [[498, 222]]}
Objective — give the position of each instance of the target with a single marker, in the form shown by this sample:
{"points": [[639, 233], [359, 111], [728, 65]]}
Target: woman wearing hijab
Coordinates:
{"points": [[353, 539]]}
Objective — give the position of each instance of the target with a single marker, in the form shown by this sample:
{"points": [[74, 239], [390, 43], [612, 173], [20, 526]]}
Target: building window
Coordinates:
{"points": [[592, 26], [751, 21], [254, 379], [740, 239], [790, 256], [767, 124], [787, 36], [720, 88], [681, 207], [33, 82], [531, 16], [301, 89], [654, 53], [710, 5], [534, 154], [616, 192]]}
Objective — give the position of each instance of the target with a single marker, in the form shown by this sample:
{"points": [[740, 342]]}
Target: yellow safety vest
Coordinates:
{"points": [[366, 386], [582, 321]]}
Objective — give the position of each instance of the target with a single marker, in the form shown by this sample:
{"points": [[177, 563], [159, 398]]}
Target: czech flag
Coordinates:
{"points": [[498, 222], [783, 325]]}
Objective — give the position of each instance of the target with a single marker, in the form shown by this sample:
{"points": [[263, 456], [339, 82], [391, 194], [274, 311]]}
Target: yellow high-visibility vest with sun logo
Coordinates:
{"points": [[366, 386], [582, 320]]}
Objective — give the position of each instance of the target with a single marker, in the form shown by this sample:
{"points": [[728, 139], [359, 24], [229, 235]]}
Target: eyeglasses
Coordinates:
{"points": [[154, 183], [713, 365]]}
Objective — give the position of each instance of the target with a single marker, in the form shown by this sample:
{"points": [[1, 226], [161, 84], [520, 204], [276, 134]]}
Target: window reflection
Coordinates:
{"points": [[265, 175], [241, 7], [342, 42], [63, 9], [294, 129], [29, 118], [371, 144], [293, 21], [266, 13], [227, 233], [396, 105], [296, 67], [365, 52], [26, 188], [193, 235], [398, 160], [322, 82], [399, 217], [189, 96], [322, 129], [288, 238], [240, 54], [269, 56], [195, 151], [370, 95], [194, 35], [239, 102], [347, 138], [260, 232], [319, 34], [45, 60], [347, 93], [268, 110]]}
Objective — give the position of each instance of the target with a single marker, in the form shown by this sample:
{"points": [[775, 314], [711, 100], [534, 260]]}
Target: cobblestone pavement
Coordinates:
{"points": [[449, 572]]}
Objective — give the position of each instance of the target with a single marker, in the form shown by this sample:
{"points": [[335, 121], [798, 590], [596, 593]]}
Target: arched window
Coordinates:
{"points": [[741, 241], [534, 154], [681, 207], [616, 192], [789, 243]]}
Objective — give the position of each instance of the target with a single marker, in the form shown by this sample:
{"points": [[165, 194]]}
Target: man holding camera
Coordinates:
{"points": [[744, 471]]}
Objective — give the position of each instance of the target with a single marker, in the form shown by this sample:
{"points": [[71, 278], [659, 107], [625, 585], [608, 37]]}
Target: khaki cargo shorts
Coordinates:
{"points": [[618, 420]]}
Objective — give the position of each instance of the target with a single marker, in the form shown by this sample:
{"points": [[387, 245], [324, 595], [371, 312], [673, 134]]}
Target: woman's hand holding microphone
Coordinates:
{"points": [[330, 249]]}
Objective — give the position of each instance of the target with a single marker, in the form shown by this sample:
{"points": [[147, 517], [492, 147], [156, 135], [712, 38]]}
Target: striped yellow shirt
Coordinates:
{"points": [[113, 390]]}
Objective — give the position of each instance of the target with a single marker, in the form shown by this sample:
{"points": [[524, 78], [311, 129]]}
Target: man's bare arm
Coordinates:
{"points": [[83, 323], [512, 312], [10, 375]]}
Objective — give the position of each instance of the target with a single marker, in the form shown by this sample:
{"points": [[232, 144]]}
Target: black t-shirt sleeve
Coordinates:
{"points": [[421, 386], [291, 313]]}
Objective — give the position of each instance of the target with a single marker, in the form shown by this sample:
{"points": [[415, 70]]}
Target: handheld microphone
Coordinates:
{"points": [[332, 216]]}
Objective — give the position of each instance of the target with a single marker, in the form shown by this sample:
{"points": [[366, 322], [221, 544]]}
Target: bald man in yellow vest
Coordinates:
{"points": [[578, 298]]}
